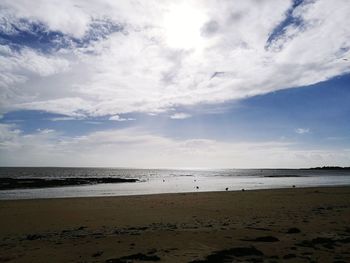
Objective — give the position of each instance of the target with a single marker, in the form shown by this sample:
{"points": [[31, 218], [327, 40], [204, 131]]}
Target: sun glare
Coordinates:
{"points": [[182, 25]]}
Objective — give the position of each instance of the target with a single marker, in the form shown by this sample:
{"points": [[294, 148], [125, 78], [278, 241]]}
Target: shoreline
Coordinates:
{"points": [[298, 224], [67, 183], [164, 194]]}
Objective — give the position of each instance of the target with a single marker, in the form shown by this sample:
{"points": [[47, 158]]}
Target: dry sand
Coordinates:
{"points": [[250, 226]]}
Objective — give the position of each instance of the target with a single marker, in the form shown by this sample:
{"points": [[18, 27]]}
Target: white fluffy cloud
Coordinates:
{"points": [[169, 54], [180, 116], [136, 148], [118, 118], [302, 130]]}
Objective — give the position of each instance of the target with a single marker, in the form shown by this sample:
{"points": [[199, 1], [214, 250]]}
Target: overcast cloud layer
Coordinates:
{"points": [[96, 58]]}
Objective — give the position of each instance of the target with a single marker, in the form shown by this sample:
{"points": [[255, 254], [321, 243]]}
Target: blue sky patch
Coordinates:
{"points": [[322, 109], [37, 36], [290, 20]]}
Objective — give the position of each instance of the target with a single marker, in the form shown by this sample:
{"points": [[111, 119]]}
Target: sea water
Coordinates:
{"points": [[157, 181]]}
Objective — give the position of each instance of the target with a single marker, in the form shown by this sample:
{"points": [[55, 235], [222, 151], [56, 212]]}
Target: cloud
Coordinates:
{"points": [[302, 130], [118, 118], [137, 58], [210, 28], [44, 131], [180, 116], [63, 119], [18, 67], [138, 148]]}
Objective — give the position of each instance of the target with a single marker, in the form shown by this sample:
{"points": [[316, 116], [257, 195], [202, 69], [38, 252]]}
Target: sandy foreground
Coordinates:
{"points": [[288, 225]]}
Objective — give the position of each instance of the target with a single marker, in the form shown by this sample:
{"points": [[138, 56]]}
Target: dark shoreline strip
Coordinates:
{"points": [[281, 176], [26, 183]]}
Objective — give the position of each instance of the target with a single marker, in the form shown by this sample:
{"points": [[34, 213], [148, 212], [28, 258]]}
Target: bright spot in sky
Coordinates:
{"points": [[182, 25]]}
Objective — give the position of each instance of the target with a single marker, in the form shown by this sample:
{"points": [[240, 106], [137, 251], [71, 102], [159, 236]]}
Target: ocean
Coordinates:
{"points": [[157, 181]]}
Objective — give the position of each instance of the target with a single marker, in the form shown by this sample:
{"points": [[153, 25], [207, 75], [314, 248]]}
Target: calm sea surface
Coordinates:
{"points": [[155, 181]]}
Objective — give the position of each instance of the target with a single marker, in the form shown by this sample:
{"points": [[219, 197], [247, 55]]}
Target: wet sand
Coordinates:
{"points": [[287, 225]]}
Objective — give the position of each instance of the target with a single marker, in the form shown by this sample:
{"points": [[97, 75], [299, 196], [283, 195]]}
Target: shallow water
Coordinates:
{"points": [[153, 181]]}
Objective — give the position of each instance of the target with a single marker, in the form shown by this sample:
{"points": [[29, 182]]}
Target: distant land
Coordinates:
{"points": [[330, 168]]}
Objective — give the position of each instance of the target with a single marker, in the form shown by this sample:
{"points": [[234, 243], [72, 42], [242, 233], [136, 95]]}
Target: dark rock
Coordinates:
{"points": [[344, 240], [97, 254], [115, 260], [138, 256], [288, 256], [324, 241], [152, 251], [5, 258], [34, 237], [306, 253], [7, 183], [293, 230], [229, 254], [258, 228], [263, 239]]}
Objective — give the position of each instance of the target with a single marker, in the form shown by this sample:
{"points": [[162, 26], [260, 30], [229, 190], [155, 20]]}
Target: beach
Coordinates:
{"points": [[294, 225]]}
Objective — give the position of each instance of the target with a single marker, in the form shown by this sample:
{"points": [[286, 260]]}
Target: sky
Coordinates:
{"points": [[175, 84]]}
